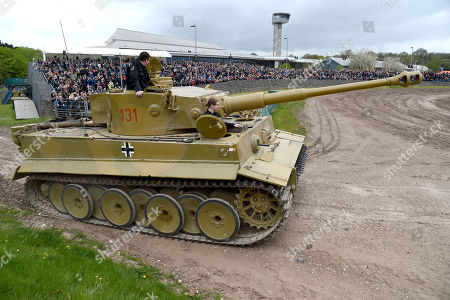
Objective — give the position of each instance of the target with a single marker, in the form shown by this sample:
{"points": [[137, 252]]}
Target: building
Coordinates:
{"points": [[333, 63], [128, 43], [178, 48]]}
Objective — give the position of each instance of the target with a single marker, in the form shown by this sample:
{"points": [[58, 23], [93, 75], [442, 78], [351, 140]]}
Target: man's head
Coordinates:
{"points": [[213, 104], [144, 58]]}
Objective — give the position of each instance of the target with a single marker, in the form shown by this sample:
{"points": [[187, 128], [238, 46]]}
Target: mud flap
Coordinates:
{"points": [[18, 175]]}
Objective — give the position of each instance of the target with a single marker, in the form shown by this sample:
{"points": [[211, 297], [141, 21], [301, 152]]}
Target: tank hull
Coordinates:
{"points": [[95, 151]]}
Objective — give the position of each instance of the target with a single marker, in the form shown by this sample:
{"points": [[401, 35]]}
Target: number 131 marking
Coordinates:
{"points": [[127, 114]]}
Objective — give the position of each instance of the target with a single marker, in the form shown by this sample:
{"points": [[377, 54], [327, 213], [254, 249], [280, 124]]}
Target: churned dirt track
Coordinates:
{"points": [[393, 241]]}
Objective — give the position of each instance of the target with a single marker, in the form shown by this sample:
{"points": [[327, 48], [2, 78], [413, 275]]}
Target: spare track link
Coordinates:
{"points": [[41, 202], [301, 161]]}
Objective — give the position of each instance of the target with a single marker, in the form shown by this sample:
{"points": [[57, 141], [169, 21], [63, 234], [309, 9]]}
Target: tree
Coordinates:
{"points": [[345, 54], [311, 56], [14, 61], [435, 64], [284, 65], [420, 56], [445, 64], [392, 64], [404, 58], [363, 60]]}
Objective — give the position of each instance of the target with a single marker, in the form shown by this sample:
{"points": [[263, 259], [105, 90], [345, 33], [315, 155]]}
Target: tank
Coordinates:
{"points": [[156, 164]]}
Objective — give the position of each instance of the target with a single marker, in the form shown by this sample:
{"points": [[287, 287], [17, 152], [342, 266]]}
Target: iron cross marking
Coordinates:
{"points": [[127, 149]]}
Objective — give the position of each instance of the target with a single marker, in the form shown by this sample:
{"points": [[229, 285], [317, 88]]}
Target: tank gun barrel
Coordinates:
{"points": [[260, 100]]}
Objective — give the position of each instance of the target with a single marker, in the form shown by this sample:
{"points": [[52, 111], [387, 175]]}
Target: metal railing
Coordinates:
{"points": [[72, 110]]}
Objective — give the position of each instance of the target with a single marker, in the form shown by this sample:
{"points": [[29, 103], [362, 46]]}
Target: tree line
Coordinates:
{"points": [[365, 59], [14, 61]]}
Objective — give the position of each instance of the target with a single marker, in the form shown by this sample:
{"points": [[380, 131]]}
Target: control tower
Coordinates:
{"points": [[278, 19]]}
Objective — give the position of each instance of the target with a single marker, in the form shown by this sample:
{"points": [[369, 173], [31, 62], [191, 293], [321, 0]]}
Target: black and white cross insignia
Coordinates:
{"points": [[127, 149]]}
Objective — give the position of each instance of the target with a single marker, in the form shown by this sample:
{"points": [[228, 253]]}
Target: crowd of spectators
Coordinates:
{"points": [[74, 80], [189, 73], [431, 76], [72, 77]]}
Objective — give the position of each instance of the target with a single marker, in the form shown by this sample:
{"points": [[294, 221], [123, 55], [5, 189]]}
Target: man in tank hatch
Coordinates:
{"points": [[212, 107], [137, 75]]}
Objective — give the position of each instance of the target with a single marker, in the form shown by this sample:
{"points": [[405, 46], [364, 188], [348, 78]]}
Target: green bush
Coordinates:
{"points": [[14, 62], [283, 66]]}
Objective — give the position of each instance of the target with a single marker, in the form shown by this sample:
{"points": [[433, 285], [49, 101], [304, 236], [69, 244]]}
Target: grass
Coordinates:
{"points": [[44, 265], [8, 117], [285, 115]]}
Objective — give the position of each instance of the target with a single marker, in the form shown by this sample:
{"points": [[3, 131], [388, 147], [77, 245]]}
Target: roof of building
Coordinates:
{"points": [[118, 52], [341, 61], [130, 39]]}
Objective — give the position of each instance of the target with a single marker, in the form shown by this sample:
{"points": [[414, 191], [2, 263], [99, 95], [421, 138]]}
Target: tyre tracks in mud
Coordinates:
{"points": [[410, 114], [329, 131]]}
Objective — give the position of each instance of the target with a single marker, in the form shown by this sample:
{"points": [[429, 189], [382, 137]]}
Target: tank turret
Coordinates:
{"points": [[159, 162], [163, 110]]}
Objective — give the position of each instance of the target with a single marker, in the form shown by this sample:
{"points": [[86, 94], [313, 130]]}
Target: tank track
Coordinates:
{"points": [[42, 203]]}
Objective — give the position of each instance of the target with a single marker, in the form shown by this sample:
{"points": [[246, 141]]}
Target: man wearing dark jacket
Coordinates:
{"points": [[138, 79]]}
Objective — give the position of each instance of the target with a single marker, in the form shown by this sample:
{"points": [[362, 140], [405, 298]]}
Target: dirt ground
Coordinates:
{"points": [[392, 242]]}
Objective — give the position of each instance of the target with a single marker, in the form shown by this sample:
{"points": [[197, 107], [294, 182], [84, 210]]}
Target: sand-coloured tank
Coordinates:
{"points": [[158, 162]]}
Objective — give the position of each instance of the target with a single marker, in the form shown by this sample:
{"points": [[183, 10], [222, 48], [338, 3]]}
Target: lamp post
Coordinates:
{"points": [[412, 48], [287, 52], [195, 49]]}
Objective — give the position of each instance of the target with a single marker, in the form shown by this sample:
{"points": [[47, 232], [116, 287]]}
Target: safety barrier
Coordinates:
{"points": [[72, 110]]}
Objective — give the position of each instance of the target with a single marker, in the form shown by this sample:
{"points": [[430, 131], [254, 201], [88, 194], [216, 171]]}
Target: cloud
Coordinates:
{"points": [[315, 26]]}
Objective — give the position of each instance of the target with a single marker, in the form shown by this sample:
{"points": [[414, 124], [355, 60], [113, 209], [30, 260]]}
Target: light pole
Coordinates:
{"points": [[412, 48], [287, 52], [195, 49]]}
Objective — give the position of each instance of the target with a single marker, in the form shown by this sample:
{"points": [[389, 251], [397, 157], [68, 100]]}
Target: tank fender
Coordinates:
{"points": [[18, 175]]}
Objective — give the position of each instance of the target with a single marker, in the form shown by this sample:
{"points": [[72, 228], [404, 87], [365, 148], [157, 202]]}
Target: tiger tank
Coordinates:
{"points": [[157, 162]]}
